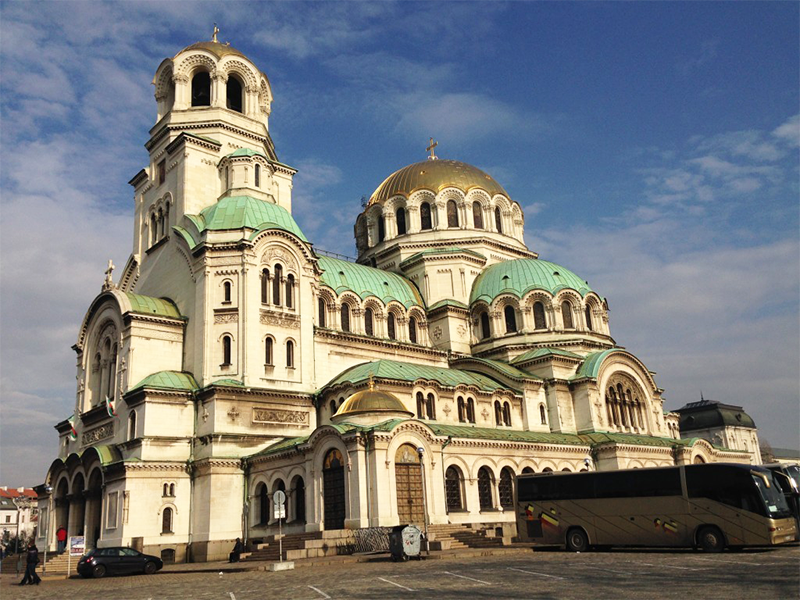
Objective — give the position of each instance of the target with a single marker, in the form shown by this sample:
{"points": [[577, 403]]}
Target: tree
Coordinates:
{"points": [[767, 455]]}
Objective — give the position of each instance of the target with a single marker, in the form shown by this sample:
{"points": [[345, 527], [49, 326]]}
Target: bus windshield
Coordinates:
{"points": [[772, 496], [793, 471]]}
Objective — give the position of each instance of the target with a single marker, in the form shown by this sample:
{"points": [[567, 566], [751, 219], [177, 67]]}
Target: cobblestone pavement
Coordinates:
{"points": [[640, 574]]}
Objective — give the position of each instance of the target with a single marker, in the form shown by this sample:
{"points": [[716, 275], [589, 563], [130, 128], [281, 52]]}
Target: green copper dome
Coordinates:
{"points": [[520, 276], [363, 281], [237, 212]]}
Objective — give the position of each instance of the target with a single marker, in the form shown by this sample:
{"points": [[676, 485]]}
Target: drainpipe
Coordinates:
{"points": [[369, 482], [190, 470], [245, 499]]}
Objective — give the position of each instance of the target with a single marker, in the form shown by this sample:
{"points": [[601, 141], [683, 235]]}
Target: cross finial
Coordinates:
{"points": [[109, 282], [214, 35], [371, 383], [430, 149]]}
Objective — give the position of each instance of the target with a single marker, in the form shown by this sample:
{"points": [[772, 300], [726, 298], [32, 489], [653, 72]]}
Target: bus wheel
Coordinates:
{"points": [[710, 539], [577, 540]]}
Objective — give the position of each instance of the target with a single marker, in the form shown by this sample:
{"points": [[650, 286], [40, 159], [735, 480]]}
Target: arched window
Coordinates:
{"points": [[542, 414], [226, 350], [485, 325], [226, 292], [345, 311], [538, 316], [112, 373], [153, 229], [276, 285], [290, 354], [265, 286], [470, 410], [498, 220], [161, 227], [233, 95], [566, 315], [290, 291], [263, 504], [165, 490], [400, 215], [299, 500], [412, 330], [505, 488], [201, 89], [258, 175], [333, 407], [323, 310], [381, 229], [452, 213], [430, 407], [172, 489], [132, 425], [498, 413], [477, 215], [452, 482], [369, 317], [425, 216], [390, 327], [485, 489], [268, 356], [506, 414], [420, 406], [166, 520], [462, 410], [511, 318], [227, 177], [588, 317]]}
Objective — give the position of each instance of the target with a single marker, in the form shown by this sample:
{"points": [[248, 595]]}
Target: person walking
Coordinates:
{"points": [[31, 561], [61, 536]]}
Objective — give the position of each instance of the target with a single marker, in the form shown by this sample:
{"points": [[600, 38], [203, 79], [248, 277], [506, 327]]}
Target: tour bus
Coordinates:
{"points": [[709, 506], [791, 487]]}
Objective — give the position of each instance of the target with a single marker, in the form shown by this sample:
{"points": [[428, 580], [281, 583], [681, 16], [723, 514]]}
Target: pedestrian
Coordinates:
{"points": [[238, 548], [61, 536], [31, 561]]}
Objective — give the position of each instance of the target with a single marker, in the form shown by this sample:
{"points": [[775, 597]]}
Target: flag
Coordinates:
{"points": [[112, 412], [73, 433]]}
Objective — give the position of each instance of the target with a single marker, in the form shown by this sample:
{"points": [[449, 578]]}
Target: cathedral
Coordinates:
{"points": [[229, 358]]}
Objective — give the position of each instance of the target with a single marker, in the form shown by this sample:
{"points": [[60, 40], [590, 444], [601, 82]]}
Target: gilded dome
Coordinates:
{"points": [[435, 175], [372, 401], [216, 48]]}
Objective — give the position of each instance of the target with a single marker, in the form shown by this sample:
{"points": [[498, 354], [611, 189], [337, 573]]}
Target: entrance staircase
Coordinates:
{"points": [[56, 565], [299, 546], [457, 537]]}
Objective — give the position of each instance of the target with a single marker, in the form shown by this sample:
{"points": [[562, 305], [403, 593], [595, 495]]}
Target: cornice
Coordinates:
{"points": [[334, 334]]}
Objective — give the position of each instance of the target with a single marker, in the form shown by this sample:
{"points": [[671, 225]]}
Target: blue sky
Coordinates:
{"points": [[653, 147]]}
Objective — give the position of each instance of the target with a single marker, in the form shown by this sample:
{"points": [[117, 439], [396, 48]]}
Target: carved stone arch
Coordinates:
{"points": [[528, 463], [163, 79], [516, 211], [477, 195], [635, 367], [501, 202], [77, 481], [457, 460], [281, 254], [326, 294], [264, 96], [274, 476], [373, 302], [450, 194], [184, 252], [489, 463], [571, 295], [505, 462], [229, 334], [285, 240], [317, 439], [417, 313], [421, 196], [500, 302], [547, 464], [406, 431], [542, 296], [395, 202], [702, 449], [232, 66], [190, 64], [350, 298]]}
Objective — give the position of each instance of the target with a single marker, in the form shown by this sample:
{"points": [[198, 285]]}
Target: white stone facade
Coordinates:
{"points": [[211, 373]]}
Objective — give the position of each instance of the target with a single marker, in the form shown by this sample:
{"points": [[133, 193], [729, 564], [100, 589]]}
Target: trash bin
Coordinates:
{"points": [[404, 541]]}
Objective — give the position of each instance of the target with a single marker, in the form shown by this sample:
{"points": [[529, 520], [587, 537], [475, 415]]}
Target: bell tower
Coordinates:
{"points": [[210, 141]]}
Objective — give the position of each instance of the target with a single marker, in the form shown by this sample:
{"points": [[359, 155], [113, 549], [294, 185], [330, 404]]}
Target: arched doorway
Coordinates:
{"points": [[299, 500], [333, 487], [93, 508], [408, 479], [77, 511]]}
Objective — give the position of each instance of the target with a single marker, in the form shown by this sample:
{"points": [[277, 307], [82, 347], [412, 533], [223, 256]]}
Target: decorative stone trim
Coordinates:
{"points": [[283, 417], [97, 434], [276, 319]]}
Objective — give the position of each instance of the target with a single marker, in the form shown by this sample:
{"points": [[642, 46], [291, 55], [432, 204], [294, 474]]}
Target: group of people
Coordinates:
{"points": [[32, 558]]}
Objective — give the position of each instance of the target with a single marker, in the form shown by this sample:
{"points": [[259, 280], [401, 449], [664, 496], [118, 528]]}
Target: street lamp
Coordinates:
{"points": [[421, 452], [49, 490], [21, 503]]}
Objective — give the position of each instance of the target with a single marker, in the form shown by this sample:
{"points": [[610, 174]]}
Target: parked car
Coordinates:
{"points": [[100, 562]]}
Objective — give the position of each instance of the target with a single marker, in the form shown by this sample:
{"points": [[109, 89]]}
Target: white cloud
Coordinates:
{"points": [[789, 131]]}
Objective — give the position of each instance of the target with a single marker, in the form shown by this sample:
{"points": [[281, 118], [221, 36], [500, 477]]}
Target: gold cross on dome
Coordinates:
{"points": [[214, 35], [430, 149]]}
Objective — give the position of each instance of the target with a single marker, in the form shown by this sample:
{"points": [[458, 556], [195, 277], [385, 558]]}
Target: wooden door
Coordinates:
{"points": [[333, 486], [408, 481]]}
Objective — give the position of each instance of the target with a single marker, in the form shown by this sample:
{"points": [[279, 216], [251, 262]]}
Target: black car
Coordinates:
{"points": [[117, 561]]}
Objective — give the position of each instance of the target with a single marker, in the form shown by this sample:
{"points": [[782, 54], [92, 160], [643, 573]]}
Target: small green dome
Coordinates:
{"points": [[520, 276], [236, 212]]}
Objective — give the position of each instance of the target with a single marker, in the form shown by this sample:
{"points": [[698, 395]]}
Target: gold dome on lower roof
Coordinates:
{"points": [[372, 401], [435, 175]]}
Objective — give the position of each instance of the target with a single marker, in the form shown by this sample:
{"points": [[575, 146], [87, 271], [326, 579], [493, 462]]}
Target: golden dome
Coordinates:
{"points": [[372, 401], [435, 175], [216, 48]]}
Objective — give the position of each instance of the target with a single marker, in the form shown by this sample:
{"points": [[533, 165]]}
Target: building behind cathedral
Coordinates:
{"points": [[231, 358]]}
